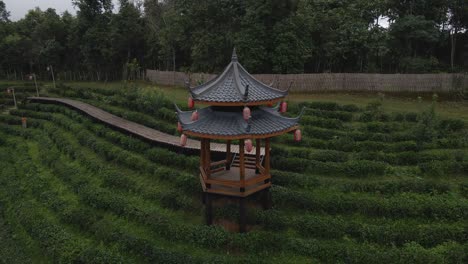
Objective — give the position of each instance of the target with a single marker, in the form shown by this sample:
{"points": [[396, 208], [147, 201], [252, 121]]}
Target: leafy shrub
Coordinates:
{"points": [[359, 168], [329, 155], [440, 168], [451, 124], [340, 115], [173, 200], [411, 117]]}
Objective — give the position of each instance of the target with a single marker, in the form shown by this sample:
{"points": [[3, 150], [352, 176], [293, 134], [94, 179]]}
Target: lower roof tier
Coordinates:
{"points": [[229, 123]]}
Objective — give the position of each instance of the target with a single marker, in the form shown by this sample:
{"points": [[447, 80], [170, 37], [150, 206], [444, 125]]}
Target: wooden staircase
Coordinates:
{"points": [[249, 161]]}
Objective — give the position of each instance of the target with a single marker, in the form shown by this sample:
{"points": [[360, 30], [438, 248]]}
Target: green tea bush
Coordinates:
{"points": [[451, 124], [362, 168], [174, 200], [397, 186], [329, 155], [340, 115], [330, 106], [441, 168], [322, 122]]}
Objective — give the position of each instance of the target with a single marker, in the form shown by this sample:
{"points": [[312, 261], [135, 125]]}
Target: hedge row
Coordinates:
{"points": [[444, 168], [330, 106], [410, 157], [351, 168], [88, 220], [339, 115], [407, 156], [423, 186], [322, 122], [184, 181], [314, 133], [147, 102], [59, 243], [443, 206], [385, 232], [158, 155], [324, 250]]}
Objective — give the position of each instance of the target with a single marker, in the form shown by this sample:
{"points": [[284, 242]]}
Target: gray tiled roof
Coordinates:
{"points": [[213, 121], [231, 85]]}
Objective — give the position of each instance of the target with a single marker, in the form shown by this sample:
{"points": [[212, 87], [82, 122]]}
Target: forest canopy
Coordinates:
{"points": [[271, 36]]}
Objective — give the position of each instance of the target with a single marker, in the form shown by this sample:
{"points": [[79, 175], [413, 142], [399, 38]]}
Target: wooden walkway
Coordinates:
{"points": [[135, 128]]}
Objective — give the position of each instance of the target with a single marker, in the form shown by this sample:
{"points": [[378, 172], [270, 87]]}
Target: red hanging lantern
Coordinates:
{"points": [[183, 140], [190, 102], [248, 145], [246, 113], [195, 116], [283, 107], [297, 135], [179, 127]]}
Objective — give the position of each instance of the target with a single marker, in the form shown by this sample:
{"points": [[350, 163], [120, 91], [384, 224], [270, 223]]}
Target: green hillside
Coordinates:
{"points": [[365, 185]]}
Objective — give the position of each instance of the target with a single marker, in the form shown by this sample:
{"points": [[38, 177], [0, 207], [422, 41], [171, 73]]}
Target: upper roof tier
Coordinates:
{"points": [[235, 86]]}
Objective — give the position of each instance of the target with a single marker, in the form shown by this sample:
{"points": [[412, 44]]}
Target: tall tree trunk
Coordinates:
{"points": [[453, 39]]}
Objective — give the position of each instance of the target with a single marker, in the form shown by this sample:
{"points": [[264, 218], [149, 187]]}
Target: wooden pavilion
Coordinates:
{"points": [[238, 110]]}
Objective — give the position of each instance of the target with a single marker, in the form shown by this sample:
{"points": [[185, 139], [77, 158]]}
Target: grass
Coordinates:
{"points": [[75, 190], [447, 106]]}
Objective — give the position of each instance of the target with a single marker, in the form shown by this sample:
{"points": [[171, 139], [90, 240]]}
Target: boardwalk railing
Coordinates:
{"points": [[146, 133], [335, 82]]}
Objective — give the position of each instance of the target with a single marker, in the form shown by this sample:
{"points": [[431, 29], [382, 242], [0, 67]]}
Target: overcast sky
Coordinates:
{"points": [[18, 8]]}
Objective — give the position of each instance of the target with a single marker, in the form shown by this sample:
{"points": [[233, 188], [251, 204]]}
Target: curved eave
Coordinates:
{"points": [[240, 103], [242, 136], [192, 128], [206, 87], [265, 86]]}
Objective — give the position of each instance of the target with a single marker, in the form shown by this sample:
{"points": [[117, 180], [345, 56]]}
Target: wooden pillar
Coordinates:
{"points": [[208, 209], [228, 155], [242, 164], [242, 218], [207, 157], [257, 155], [267, 156], [202, 153], [266, 199]]}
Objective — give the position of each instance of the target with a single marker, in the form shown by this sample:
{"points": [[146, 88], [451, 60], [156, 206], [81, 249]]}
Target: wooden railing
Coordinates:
{"points": [[232, 187]]}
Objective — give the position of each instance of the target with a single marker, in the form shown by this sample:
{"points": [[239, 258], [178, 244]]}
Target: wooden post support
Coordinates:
{"points": [[228, 155], [266, 199], [202, 153], [208, 209], [267, 156], [207, 157], [242, 164], [257, 155], [242, 218], [207, 161]]}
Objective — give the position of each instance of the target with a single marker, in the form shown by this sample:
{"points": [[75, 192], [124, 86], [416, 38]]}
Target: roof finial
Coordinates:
{"points": [[234, 55]]}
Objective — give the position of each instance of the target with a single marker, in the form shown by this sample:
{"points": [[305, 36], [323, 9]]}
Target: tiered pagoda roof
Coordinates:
{"points": [[235, 86], [227, 94]]}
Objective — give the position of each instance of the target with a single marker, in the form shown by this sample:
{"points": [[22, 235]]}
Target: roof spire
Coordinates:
{"points": [[234, 55]]}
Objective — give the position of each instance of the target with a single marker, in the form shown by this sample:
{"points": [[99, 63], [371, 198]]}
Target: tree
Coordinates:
{"points": [[4, 14], [413, 39], [93, 29], [127, 34], [458, 21]]}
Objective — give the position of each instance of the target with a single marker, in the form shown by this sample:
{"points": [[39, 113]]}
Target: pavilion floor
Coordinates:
{"points": [[234, 175]]}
